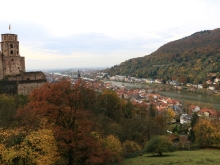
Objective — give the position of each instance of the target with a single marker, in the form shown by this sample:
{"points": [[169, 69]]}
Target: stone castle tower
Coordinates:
{"points": [[13, 77], [12, 63]]}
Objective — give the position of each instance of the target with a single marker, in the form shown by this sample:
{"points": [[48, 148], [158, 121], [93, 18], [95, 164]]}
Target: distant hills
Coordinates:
{"points": [[189, 59]]}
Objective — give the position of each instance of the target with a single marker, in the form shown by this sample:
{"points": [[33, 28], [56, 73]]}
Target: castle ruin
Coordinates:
{"points": [[13, 77]]}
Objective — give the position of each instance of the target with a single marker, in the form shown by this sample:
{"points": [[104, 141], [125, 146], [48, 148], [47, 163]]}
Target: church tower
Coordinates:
{"points": [[11, 63]]}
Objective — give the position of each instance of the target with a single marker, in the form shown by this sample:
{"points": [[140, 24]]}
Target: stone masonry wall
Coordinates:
{"points": [[28, 76], [9, 87], [26, 87], [1, 66]]}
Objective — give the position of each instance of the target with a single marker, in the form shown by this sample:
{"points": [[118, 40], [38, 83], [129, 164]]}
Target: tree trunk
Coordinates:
{"points": [[70, 158]]}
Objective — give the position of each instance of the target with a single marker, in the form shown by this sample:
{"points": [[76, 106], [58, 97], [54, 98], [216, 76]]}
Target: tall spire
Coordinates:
{"points": [[78, 75]]}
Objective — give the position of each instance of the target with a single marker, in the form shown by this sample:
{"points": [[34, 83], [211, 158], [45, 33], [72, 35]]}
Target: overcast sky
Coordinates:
{"points": [[101, 33]]}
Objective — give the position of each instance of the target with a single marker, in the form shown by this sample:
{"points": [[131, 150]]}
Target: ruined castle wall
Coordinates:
{"points": [[12, 62], [10, 45], [15, 78], [28, 76], [22, 64], [1, 67], [25, 87], [34, 76], [9, 87], [12, 69], [11, 65], [20, 87]]}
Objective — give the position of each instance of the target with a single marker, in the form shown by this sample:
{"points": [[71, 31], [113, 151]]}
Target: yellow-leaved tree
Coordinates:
{"points": [[113, 145], [38, 147], [207, 133], [203, 133], [169, 115], [41, 147]]}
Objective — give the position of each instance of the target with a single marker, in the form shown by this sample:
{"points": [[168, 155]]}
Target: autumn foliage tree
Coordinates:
{"points": [[130, 147], [110, 105], [8, 107], [114, 145], [20, 147], [207, 133], [169, 116], [65, 108]]}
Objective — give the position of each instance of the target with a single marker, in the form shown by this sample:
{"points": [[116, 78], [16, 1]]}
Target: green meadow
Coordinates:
{"points": [[206, 156]]}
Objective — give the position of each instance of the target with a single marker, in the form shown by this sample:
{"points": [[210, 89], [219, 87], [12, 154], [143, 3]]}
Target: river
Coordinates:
{"points": [[179, 95]]}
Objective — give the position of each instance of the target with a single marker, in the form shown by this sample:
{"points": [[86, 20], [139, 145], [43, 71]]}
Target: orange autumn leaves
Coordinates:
{"points": [[65, 109]]}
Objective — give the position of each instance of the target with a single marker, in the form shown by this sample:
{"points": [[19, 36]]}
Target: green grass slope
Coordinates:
{"points": [[198, 157]]}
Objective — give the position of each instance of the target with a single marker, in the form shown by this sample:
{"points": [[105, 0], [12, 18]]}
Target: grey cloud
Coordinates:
{"points": [[38, 38], [95, 43]]}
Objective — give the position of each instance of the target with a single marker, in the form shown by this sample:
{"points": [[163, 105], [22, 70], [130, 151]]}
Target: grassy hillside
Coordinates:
{"points": [[188, 60], [177, 158]]}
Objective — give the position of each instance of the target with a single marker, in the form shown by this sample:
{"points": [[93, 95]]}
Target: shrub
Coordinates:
{"points": [[130, 147], [159, 144]]}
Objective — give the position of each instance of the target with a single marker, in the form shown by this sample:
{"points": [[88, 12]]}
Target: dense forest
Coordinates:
{"points": [[65, 124], [189, 59]]}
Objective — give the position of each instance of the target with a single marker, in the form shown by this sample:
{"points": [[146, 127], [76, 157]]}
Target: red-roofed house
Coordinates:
{"points": [[180, 141], [209, 82], [194, 108], [208, 113]]}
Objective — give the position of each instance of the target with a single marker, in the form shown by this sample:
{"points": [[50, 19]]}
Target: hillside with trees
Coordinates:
{"points": [[189, 59], [61, 123]]}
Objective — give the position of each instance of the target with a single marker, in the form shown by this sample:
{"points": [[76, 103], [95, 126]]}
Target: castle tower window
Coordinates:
{"points": [[11, 45], [12, 60], [12, 52]]}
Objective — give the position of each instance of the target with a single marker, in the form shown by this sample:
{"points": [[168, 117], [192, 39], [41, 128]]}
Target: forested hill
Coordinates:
{"points": [[189, 59]]}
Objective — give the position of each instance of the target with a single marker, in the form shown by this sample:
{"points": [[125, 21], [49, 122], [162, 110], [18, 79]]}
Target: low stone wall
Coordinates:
{"points": [[38, 75], [27, 76], [20, 87], [9, 87], [25, 87]]}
